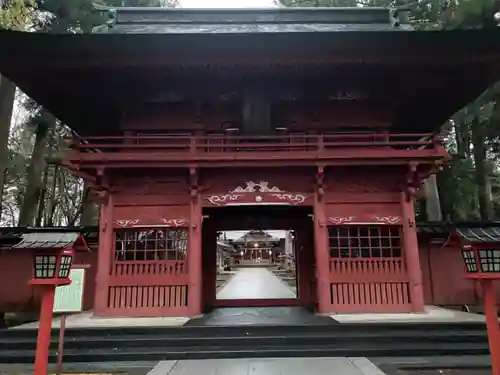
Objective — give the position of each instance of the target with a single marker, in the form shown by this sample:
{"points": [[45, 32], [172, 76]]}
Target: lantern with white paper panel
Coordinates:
{"points": [[52, 266], [481, 262]]}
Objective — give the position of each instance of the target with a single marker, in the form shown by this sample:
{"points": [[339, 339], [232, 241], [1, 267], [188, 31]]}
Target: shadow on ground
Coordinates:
{"points": [[284, 316]]}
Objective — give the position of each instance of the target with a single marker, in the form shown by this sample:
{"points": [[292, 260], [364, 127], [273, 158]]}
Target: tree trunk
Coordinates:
{"points": [[35, 170], [45, 180], [49, 214], [482, 169], [89, 215], [41, 198], [432, 202], [7, 96]]}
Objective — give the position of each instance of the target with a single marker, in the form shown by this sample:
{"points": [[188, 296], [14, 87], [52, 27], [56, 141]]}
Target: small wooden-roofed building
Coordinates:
{"points": [[16, 263], [310, 120], [442, 264], [257, 247]]}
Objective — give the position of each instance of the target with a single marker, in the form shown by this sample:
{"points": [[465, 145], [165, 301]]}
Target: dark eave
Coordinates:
{"points": [[87, 80]]}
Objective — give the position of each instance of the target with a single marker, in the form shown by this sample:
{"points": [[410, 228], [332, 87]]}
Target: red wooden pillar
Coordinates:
{"points": [[322, 255], [195, 269], [104, 256], [412, 258], [303, 243], [44, 330], [491, 312], [209, 258]]}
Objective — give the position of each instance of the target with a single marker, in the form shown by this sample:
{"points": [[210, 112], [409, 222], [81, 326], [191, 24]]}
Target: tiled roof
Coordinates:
{"points": [[47, 237], [482, 235], [47, 240]]}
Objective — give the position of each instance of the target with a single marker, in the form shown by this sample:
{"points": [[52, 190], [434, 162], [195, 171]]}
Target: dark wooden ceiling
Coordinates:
{"points": [[92, 101], [89, 82]]}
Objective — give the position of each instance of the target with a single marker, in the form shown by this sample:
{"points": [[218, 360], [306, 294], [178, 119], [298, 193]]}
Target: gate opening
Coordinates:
{"points": [[258, 256]]}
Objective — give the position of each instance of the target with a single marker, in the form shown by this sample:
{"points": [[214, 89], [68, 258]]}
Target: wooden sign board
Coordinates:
{"points": [[69, 298]]}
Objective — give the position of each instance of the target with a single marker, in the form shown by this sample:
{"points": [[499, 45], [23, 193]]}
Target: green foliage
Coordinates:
{"points": [[457, 190], [460, 184], [15, 14], [71, 16], [424, 14], [79, 16], [471, 14]]}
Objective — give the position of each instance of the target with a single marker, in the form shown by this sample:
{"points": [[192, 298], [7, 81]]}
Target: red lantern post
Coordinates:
{"points": [[51, 268], [483, 264]]}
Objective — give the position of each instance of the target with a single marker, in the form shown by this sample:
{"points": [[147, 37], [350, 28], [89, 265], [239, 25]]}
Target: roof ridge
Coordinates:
{"points": [[282, 10], [387, 16]]}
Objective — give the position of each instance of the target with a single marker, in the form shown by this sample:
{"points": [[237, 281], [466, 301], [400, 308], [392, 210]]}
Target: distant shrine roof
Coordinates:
{"points": [[256, 236], [270, 20]]}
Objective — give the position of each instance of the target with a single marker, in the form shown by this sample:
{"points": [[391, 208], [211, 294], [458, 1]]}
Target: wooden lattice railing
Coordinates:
{"points": [[232, 144], [144, 287], [165, 268], [367, 270]]}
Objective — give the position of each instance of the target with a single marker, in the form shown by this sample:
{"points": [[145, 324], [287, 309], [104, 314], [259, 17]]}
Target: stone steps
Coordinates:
{"points": [[204, 342]]}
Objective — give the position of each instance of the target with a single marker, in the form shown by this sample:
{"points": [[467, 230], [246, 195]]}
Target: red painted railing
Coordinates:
{"points": [[148, 288], [237, 144], [160, 268]]}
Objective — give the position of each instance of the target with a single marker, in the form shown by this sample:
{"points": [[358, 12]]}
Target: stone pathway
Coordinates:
{"points": [[268, 366], [255, 283], [441, 372]]}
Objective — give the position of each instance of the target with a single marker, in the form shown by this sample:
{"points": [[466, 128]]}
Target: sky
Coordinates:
{"points": [[227, 3]]}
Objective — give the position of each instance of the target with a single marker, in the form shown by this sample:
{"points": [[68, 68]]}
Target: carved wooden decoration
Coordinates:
{"points": [[388, 219], [127, 223], [257, 193], [368, 219], [135, 223]]}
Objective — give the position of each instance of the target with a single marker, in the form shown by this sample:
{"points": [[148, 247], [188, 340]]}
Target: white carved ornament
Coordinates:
{"points": [[339, 220], [126, 223], [166, 222], [219, 200], [174, 222], [292, 198], [388, 219], [256, 187]]}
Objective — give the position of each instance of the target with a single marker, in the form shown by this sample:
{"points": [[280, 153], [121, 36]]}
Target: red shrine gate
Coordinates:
{"points": [[330, 120], [156, 257]]}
